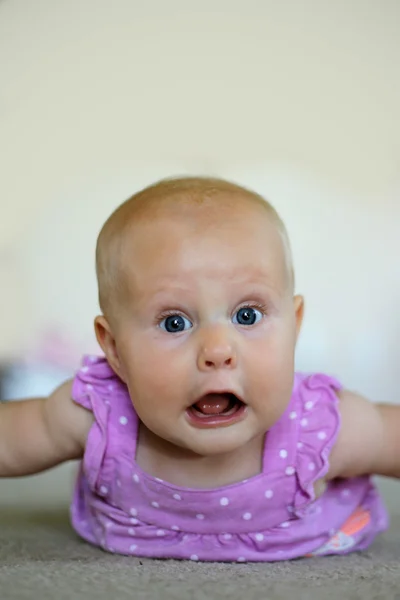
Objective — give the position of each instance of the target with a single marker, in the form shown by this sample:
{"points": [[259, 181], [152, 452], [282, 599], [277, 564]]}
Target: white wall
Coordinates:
{"points": [[298, 99]]}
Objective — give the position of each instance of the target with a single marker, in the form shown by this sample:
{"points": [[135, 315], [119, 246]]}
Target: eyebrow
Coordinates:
{"points": [[256, 286], [254, 275]]}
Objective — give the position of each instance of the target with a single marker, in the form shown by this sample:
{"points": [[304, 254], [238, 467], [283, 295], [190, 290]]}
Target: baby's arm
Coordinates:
{"points": [[369, 439], [39, 433]]}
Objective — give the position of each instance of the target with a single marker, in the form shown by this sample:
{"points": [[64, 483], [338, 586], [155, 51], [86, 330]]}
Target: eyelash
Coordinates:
{"points": [[171, 313], [257, 305]]}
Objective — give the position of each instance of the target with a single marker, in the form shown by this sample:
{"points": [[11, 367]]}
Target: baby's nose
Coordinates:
{"points": [[217, 353]]}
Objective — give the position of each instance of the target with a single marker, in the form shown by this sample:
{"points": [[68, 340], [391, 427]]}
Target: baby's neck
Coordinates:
{"points": [[179, 467]]}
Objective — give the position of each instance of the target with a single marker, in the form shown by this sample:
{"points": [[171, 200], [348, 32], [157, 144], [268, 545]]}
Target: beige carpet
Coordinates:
{"points": [[40, 556]]}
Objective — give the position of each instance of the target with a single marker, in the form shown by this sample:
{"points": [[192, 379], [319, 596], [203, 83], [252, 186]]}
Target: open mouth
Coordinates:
{"points": [[216, 410]]}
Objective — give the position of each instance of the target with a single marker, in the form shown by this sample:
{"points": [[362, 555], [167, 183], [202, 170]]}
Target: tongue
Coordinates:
{"points": [[213, 404]]}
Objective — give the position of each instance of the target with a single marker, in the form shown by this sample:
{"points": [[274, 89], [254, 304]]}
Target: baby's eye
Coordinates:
{"points": [[175, 324], [247, 315]]}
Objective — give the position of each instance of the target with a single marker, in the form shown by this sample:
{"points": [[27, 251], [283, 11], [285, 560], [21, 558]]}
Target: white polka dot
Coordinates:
{"points": [[155, 504], [158, 479], [304, 422], [85, 369], [290, 509], [136, 478], [247, 516], [123, 420], [134, 521], [133, 512], [346, 493], [299, 445], [285, 524], [241, 559], [311, 466], [107, 402], [175, 528], [308, 405], [227, 536], [133, 547], [321, 435], [108, 524], [119, 484], [110, 387], [160, 532], [131, 531], [290, 470], [177, 497], [224, 501], [268, 494], [200, 517], [283, 453], [293, 415], [111, 550], [259, 537], [89, 386], [103, 490], [194, 557]]}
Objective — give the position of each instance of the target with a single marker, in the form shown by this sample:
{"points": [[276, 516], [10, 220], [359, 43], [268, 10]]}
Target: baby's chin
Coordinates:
{"points": [[216, 441]]}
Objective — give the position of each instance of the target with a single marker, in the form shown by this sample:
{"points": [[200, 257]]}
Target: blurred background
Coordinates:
{"points": [[296, 99]]}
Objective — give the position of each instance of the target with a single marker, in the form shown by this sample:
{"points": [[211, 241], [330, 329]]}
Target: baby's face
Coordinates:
{"points": [[207, 335]]}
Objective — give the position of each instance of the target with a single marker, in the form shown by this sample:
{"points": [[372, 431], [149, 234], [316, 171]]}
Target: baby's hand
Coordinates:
{"points": [[39, 433], [319, 488]]}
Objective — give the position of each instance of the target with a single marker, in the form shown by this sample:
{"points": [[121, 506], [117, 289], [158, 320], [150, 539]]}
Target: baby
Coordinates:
{"points": [[197, 438]]}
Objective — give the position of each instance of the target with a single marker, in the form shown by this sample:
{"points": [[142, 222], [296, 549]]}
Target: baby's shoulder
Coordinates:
{"points": [[315, 380], [95, 382], [95, 375], [314, 409], [313, 423], [113, 432], [315, 390]]}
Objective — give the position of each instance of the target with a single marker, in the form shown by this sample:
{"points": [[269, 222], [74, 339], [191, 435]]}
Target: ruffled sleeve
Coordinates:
{"points": [[318, 428], [92, 388]]}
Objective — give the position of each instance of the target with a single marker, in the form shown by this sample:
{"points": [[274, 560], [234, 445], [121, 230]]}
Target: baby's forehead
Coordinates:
{"points": [[193, 214], [191, 221], [188, 206], [194, 211], [193, 202], [189, 243], [197, 210]]}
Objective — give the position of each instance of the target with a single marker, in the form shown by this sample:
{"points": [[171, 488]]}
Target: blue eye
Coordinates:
{"points": [[175, 324], [247, 315]]}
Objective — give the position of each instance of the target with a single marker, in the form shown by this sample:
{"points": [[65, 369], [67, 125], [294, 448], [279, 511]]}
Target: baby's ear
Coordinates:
{"points": [[299, 313], [107, 343]]}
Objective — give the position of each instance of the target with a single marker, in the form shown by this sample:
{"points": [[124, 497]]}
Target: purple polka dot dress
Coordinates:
{"points": [[272, 516]]}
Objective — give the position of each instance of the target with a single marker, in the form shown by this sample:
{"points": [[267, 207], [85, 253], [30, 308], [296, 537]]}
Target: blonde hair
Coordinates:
{"points": [[151, 200]]}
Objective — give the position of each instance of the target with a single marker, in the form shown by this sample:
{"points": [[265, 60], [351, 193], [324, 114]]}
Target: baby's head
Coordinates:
{"points": [[199, 314]]}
